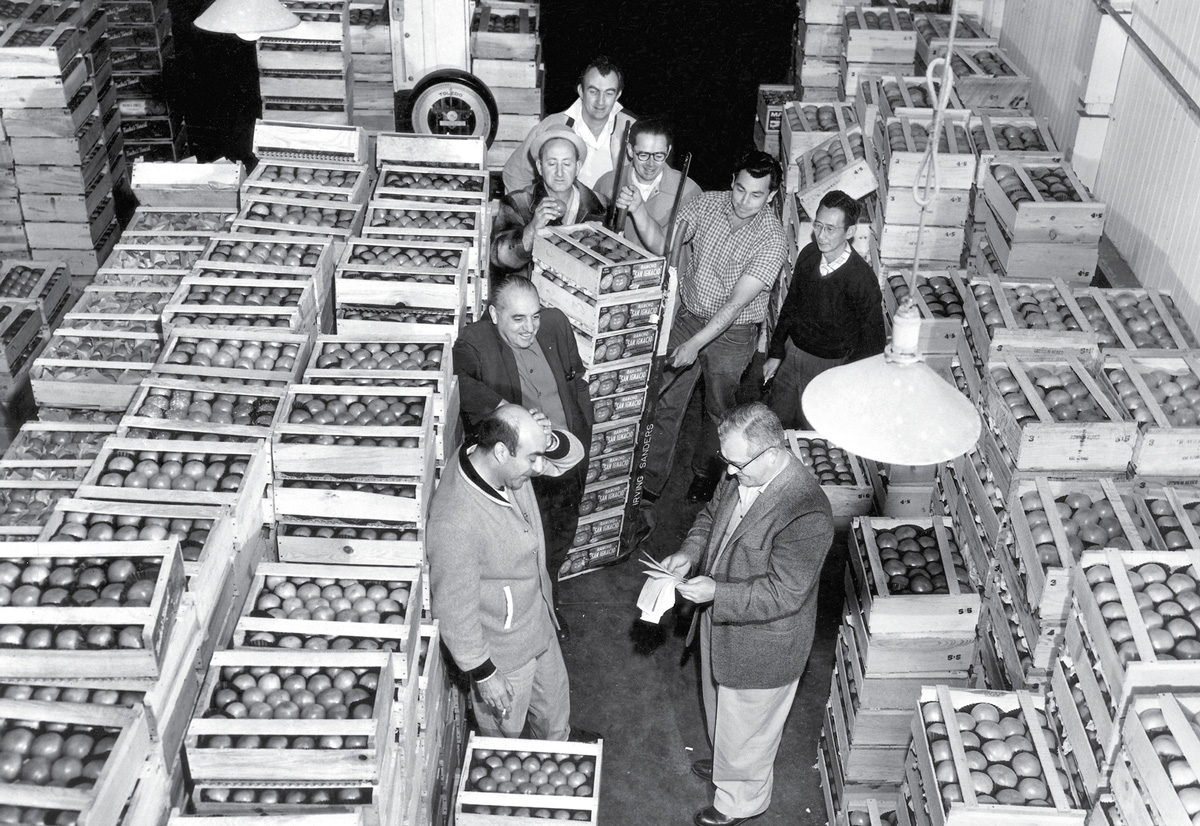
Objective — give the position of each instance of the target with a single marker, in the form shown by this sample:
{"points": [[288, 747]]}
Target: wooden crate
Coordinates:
{"points": [[856, 177], [505, 31], [862, 728], [138, 417], [358, 321], [43, 283], [933, 32], [57, 445], [884, 690], [305, 144], [998, 136], [90, 383], [19, 324], [986, 77], [1041, 219], [313, 219], [524, 73], [378, 272], [1166, 447], [456, 179], [1073, 719], [952, 614], [329, 182], [154, 621], [183, 311], [897, 243], [1027, 260], [170, 257], [1103, 308], [171, 364], [772, 100], [1051, 444], [474, 808], [900, 145], [285, 54], [1063, 809], [311, 111], [847, 500], [1046, 587], [939, 334], [597, 272], [68, 151], [201, 221], [891, 96], [802, 129], [859, 763], [333, 542], [258, 257], [355, 816], [424, 221], [839, 794], [104, 802], [403, 637], [209, 763], [603, 349], [895, 654], [879, 35], [595, 315], [948, 208], [1140, 752], [1001, 330], [439, 378]]}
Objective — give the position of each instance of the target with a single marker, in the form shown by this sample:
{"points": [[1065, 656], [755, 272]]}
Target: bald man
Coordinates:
{"points": [[487, 573]]}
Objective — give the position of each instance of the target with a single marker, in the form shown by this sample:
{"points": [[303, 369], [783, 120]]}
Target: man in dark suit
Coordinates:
{"points": [[526, 354], [758, 548]]}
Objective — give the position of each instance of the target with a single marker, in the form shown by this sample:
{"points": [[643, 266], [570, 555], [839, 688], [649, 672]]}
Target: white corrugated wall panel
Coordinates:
{"points": [[1051, 40], [1149, 174]]}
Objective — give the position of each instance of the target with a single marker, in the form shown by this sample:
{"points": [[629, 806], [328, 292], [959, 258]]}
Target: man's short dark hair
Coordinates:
{"points": [[510, 285], [836, 199], [651, 126], [759, 164], [605, 67], [497, 429]]}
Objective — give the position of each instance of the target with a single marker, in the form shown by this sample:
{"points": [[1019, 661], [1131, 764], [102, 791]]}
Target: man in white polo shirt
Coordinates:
{"points": [[597, 117]]}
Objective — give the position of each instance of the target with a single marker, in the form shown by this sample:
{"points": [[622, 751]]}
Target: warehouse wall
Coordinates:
{"points": [[1032, 34], [1148, 174], [1150, 171]]}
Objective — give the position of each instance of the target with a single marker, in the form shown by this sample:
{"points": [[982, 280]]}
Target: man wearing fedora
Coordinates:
{"points": [[556, 197]]}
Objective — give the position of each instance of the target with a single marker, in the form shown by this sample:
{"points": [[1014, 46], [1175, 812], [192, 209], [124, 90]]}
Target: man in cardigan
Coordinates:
{"points": [[526, 354], [833, 313], [488, 582], [557, 197], [757, 549]]}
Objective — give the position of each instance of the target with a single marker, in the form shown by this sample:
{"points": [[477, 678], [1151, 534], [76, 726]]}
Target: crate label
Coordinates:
{"points": [[610, 466], [611, 497], [620, 438], [630, 405], [640, 340], [133, 108], [607, 528], [643, 313]]}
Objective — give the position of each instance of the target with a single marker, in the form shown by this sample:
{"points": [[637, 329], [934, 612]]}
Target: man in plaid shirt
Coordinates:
{"points": [[737, 253]]}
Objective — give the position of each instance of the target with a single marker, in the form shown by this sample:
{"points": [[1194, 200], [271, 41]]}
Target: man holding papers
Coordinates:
{"points": [[756, 551]]}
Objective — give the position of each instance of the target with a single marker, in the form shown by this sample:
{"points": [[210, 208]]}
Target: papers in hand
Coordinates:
{"points": [[658, 594]]}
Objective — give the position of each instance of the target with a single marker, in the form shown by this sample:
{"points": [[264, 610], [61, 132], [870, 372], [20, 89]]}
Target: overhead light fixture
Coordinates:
{"points": [[248, 19], [893, 407]]}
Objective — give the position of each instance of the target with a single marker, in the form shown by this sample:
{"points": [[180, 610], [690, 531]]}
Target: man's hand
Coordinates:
{"points": [[629, 199], [542, 419], [496, 693], [685, 354], [698, 589], [547, 210], [678, 564], [770, 366]]}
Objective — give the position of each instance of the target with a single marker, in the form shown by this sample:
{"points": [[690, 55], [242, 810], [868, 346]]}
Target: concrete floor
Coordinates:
{"points": [[635, 684]]}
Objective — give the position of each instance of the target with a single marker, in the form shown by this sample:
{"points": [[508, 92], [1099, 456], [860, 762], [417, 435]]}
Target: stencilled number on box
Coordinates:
{"points": [[967, 610], [953, 657]]}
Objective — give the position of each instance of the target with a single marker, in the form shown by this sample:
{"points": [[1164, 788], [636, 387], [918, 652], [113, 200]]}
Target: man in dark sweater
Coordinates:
{"points": [[833, 313]]}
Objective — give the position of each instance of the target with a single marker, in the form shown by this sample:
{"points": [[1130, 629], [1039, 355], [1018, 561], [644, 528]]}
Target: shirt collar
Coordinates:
{"points": [[748, 494], [575, 112], [838, 263], [472, 477], [647, 189]]}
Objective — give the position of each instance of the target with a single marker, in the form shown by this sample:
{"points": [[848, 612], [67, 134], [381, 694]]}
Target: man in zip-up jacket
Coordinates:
{"points": [[489, 585]]}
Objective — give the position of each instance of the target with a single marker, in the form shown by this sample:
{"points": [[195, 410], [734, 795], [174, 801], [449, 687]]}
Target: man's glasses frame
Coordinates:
{"points": [[742, 466], [657, 156]]}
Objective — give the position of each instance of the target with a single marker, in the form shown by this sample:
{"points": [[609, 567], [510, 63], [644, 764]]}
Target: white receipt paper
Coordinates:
{"points": [[658, 594]]}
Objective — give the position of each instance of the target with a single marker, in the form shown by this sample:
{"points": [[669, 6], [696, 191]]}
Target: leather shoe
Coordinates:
{"points": [[582, 735], [564, 630], [702, 488], [712, 816], [702, 768]]}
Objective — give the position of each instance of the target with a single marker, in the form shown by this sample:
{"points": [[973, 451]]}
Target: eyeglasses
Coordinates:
{"points": [[743, 465], [645, 156], [821, 229]]}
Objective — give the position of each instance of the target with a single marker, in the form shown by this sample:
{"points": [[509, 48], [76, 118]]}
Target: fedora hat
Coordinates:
{"points": [[562, 132]]}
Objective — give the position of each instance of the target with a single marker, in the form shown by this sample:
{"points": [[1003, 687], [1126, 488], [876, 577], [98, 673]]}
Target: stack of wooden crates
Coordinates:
{"points": [[305, 73], [506, 55], [49, 108], [371, 59], [143, 59]]}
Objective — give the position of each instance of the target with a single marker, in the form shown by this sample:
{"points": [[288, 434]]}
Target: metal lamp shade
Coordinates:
{"points": [[249, 19]]}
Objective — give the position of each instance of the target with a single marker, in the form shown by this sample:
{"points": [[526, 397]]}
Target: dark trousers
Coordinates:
{"points": [[797, 370], [721, 365], [558, 500]]}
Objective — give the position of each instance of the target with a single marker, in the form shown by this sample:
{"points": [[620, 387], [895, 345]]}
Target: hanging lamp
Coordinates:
{"points": [[893, 407], [248, 19]]}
